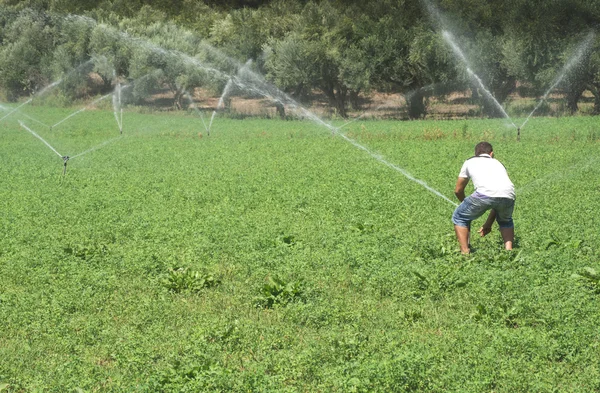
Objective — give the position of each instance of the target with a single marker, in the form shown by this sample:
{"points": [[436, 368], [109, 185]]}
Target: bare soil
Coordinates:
{"points": [[458, 105]]}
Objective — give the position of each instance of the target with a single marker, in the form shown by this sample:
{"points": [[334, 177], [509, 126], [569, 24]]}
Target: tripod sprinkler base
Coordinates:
{"points": [[65, 160]]}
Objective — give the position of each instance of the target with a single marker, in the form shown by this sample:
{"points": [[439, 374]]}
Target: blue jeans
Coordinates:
{"points": [[475, 206]]}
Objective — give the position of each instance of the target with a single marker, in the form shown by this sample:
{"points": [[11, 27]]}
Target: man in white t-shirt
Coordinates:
{"points": [[493, 191]]}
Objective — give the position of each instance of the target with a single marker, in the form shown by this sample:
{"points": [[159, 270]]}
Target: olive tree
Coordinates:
{"points": [[25, 55]]}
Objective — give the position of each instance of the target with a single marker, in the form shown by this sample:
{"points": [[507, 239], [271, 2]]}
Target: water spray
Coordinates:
{"points": [[16, 109], [97, 147], [581, 50], [35, 120], [45, 89], [220, 103], [278, 96], [198, 111], [66, 158], [365, 113], [259, 86], [63, 157], [82, 109], [40, 138], [116, 100], [458, 52]]}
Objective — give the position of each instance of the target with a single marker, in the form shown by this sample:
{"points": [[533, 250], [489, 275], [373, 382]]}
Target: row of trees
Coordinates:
{"points": [[341, 49]]}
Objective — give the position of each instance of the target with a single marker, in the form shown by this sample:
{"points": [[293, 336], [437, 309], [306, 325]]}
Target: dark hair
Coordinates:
{"points": [[483, 148]]}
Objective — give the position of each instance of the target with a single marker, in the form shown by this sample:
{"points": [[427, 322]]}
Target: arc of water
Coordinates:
{"points": [[560, 174], [40, 138], [82, 109], [101, 145], [357, 118], [458, 52], [220, 103], [581, 50], [198, 111], [397, 168], [410, 94], [34, 119], [55, 83], [121, 111], [45, 89], [97, 147], [242, 70], [277, 96], [363, 115], [116, 100], [289, 101], [16, 109]]}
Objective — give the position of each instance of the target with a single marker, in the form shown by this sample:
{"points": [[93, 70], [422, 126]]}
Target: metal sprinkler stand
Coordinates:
{"points": [[519, 134], [65, 159]]}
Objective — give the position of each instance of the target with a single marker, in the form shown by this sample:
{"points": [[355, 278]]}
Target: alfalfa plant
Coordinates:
{"points": [[186, 280], [278, 292], [590, 278]]}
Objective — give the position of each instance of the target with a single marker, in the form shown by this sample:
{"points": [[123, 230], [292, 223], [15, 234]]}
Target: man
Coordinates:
{"points": [[493, 191]]}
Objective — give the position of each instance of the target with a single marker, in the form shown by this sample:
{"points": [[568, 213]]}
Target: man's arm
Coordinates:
{"points": [[459, 189], [487, 225]]}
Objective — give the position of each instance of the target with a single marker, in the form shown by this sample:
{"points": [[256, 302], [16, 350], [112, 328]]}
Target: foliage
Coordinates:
{"points": [[142, 268], [24, 54], [278, 292], [339, 49], [590, 277], [180, 280]]}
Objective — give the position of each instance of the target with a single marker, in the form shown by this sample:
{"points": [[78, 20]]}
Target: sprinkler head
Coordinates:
{"points": [[65, 159]]}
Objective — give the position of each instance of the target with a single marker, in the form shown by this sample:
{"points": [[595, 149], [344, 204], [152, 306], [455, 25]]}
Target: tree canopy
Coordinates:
{"points": [[340, 49]]}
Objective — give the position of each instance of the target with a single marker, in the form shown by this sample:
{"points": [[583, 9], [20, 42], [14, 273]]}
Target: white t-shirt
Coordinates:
{"points": [[489, 177]]}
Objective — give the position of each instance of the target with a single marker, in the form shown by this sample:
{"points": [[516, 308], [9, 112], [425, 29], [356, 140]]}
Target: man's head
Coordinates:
{"points": [[483, 148]]}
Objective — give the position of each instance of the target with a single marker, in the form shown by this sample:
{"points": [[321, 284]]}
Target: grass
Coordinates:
{"points": [[272, 256]]}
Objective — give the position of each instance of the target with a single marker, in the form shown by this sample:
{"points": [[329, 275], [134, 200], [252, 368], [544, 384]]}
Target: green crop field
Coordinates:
{"points": [[273, 256]]}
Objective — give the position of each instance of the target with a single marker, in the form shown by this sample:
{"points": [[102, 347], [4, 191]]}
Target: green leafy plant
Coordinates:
{"points": [[440, 283], [278, 292], [185, 280], [589, 277], [288, 240]]}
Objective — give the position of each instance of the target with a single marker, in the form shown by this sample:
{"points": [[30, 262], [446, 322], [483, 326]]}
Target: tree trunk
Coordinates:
{"points": [[416, 105], [354, 99], [342, 94], [500, 93], [595, 89], [573, 97], [178, 101], [280, 110], [337, 98]]}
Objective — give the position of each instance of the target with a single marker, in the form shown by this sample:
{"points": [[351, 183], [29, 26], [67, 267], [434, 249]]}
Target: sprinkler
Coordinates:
{"points": [[65, 160], [519, 134]]}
